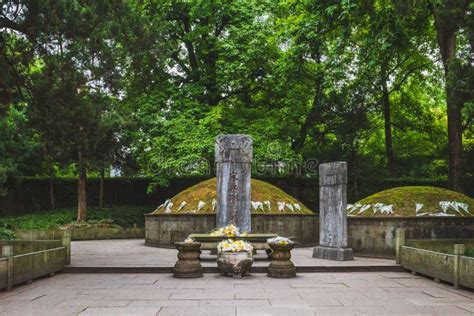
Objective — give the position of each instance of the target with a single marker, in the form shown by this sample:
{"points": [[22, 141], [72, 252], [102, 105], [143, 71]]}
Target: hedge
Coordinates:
{"points": [[32, 194]]}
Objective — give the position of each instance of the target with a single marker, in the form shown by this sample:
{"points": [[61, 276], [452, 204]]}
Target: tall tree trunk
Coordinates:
{"points": [[353, 192], [81, 189], [51, 193], [387, 122], [101, 193], [447, 23], [315, 111], [454, 141]]}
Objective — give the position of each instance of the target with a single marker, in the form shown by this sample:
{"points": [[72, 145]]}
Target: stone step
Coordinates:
{"points": [[255, 269]]}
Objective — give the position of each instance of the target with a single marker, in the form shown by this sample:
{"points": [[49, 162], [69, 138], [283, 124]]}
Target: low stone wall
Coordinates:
{"points": [[164, 230], [453, 268], [24, 261], [83, 233], [3, 272], [33, 265], [434, 264], [26, 246], [373, 237], [440, 245], [466, 272]]}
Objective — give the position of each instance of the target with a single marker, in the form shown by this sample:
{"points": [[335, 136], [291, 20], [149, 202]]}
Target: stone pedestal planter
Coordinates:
{"points": [[236, 264], [188, 265], [281, 265]]}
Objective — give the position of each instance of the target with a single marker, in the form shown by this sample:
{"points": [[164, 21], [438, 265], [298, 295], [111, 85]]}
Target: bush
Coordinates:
{"points": [[6, 234], [469, 252], [124, 216]]}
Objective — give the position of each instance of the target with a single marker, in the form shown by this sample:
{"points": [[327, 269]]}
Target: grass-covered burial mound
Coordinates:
{"points": [[413, 201], [201, 199]]}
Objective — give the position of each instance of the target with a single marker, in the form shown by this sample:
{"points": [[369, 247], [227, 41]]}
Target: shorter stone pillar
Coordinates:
{"points": [[458, 252], [188, 264], [281, 265], [399, 243], [66, 243], [7, 251], [333, 213]]}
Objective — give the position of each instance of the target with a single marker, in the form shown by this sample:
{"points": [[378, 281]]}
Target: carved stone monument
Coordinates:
{"points": [[332, 213], [233, 156]]}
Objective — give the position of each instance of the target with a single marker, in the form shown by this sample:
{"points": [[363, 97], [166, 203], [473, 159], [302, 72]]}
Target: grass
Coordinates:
{"points": [[124, 216], [404, 199], [205, 191]]}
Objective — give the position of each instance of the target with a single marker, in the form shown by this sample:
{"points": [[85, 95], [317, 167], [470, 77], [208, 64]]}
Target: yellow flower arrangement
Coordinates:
{"points": [[231, 245], [229, 231]]}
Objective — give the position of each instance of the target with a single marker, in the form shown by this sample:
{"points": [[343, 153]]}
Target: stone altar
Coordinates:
{"points": [[233, 161], [332, 213]]}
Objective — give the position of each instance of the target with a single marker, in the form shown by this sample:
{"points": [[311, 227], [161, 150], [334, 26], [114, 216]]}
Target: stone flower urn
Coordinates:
{"points": [[280, 264], [188, 265], [236, 264]]}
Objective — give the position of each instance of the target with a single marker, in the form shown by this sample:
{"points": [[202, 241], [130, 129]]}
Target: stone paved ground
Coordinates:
{"points": [[133, 252], [308, 294]]}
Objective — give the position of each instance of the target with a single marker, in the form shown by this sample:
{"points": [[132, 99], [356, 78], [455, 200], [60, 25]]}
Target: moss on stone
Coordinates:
{"points": [[404, 200], [205, 192]]}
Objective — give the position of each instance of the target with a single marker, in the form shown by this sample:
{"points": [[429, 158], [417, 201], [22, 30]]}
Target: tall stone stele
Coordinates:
{"points": [[233, 157], [332, 213]]}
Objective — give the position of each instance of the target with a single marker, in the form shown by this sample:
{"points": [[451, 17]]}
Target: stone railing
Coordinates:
{"points": [[23, 260], [449, 267]]}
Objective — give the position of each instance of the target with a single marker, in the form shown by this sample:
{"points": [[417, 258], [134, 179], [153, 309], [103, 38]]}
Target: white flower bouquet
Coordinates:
{"points": [[231, 245], [188, 240], [279, 240]]}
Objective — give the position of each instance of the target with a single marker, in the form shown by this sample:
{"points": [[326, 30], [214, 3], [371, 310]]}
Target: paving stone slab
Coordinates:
{"points": [[313, 293]]}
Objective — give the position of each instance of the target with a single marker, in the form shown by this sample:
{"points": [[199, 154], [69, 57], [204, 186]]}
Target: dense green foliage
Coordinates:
{"points": [[469, 253], [125, 216], [147, 85], [6, 234]]}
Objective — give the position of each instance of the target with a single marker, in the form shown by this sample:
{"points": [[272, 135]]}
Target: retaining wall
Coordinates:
{"points": [[373, 237], [164, 230]]}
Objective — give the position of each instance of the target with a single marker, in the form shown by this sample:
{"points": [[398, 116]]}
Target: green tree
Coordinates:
{"points": [[450, 19], [77, 56]]}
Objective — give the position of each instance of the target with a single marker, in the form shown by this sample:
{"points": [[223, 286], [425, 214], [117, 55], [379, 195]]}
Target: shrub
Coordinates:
{"points": [[125, 216], [469, 252], [6, 234]]}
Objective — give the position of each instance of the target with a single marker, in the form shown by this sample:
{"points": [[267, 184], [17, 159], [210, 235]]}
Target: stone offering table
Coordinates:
{"points": [[258, 241]]}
